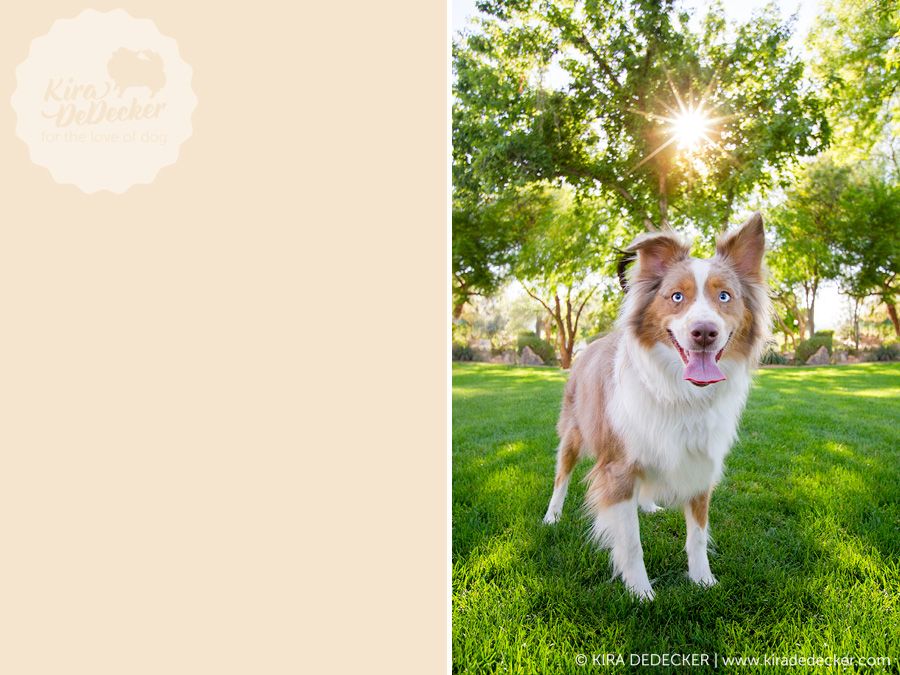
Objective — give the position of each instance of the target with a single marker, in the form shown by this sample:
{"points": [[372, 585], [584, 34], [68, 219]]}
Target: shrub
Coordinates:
{"points": [[594, 337], [539, 346], [462, 352], [809, 347], [773, 358], [824, 333], [889, 351]]}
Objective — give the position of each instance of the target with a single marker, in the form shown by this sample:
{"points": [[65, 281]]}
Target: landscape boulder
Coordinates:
{"points": [[529, 358], [820, 358], [510, 358]]}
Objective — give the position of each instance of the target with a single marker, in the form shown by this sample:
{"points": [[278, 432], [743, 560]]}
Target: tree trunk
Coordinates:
{"points": [[788, 333], [663, 199], [856, 323], [566, 329], [811, 314], [537, 328], [458, 308], [892, 312]]}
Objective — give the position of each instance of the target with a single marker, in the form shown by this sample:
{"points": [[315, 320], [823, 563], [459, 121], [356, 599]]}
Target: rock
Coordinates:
{"points": [[820, 358], [529, 358], [840, 357], [496, 358], [510, 358], [853, 359]]}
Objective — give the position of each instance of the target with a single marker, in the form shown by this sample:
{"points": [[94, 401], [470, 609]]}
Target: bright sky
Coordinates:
{"points": [[829, 304]]}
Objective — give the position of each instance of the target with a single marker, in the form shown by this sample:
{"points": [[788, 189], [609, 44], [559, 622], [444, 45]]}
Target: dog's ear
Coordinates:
{"points": [[656, 251], [744, 247]]}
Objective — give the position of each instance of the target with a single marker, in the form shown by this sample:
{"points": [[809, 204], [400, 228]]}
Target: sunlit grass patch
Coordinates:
{"points": [[806, 523]]}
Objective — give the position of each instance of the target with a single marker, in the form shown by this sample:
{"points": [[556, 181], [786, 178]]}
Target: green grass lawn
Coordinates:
{"points": [[806, 524]]}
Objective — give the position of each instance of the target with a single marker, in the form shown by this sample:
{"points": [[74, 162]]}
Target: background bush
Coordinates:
{"points": [[538, 345], [773, 358], [809, 347], [462, 352], [889, 351]]}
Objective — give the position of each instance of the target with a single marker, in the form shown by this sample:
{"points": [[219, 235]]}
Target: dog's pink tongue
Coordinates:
{"points": [[702, 368]]}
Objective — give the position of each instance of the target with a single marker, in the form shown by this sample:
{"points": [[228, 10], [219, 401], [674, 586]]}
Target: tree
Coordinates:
{"points": [[485, 239], [869, 240], [672, 127], [785, 298], [560, 264], [855, 45], [805, 227]]}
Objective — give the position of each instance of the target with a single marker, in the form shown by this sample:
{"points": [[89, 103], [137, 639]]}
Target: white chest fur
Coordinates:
{"points": [[678, 433]]}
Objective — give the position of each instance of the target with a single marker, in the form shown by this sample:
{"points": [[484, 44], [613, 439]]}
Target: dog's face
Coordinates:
{"points": [[703, 310]]}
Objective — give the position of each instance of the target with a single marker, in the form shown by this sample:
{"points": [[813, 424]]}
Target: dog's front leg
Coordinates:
{"points": [[696, 515], [613, 497]]}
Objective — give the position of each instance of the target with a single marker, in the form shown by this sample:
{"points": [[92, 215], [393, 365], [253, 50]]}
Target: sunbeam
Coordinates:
{"points": [[692, 128]]}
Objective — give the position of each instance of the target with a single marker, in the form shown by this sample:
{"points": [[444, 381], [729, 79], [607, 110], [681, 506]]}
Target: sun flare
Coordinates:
{"points": [[690, 128]]}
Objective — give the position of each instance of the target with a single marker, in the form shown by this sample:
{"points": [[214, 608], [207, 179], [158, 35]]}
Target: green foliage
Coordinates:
{"points": [[485, 238], [809, 347], [888, 351], [855, 43], [869, 237], [538, 345], [595, 337], [805, 226], [825, 333], [773, 358], [462, 352], [569, 239], [631, 68]]}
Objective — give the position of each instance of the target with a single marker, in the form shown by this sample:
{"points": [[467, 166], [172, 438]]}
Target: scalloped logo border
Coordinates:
{"points": [[104, 101]]}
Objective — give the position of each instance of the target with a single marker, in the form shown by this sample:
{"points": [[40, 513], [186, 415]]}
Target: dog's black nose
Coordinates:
{"points": [[704, 334]]}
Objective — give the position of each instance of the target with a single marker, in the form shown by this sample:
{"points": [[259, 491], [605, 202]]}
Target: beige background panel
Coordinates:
{"points": [[223, 447]]}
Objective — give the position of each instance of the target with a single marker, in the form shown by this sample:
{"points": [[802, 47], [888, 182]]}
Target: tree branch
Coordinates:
{"points": [[538, 299], [583, 303], [663, 200], [648, 223], [604, 66]]}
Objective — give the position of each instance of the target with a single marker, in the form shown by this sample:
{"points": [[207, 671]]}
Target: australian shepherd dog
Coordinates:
{"points": [[656, 403]]}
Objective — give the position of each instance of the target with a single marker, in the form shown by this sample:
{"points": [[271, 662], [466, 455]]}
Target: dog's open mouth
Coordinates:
{"points": [[700, 367]]}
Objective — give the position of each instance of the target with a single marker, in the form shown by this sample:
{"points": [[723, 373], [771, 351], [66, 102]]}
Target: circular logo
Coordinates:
{"points": [[104, 101]]}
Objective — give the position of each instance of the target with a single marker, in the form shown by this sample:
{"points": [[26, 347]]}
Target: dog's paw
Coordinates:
{"points": [[706, 581], [649, 507], [642, 593], [552, 516]]}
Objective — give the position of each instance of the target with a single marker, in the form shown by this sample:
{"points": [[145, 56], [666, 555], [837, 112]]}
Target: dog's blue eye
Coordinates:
{"points": [[677, 297], [724, 297]]}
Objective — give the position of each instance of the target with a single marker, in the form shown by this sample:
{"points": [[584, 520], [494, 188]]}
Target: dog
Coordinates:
{"points": [[657, 402], [129, 68]]}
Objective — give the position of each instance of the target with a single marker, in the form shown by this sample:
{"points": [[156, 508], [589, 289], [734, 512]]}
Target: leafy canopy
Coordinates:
{"points": [[633, 70]]}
